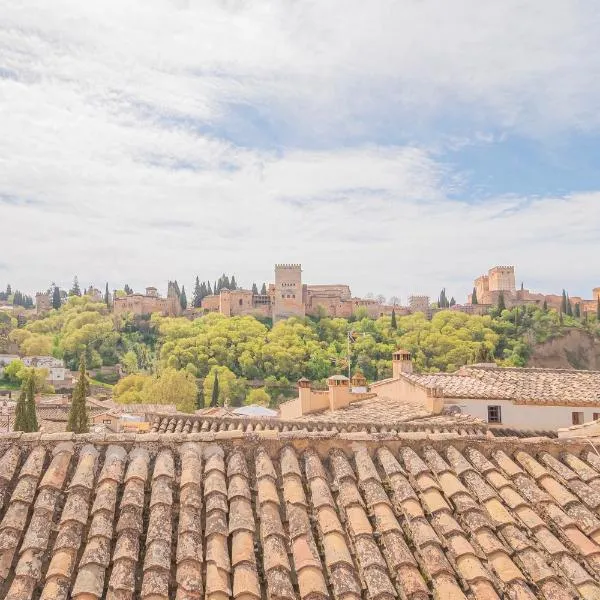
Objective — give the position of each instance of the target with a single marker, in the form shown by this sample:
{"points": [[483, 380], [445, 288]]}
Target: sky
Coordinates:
{"points": [[398, 146]]}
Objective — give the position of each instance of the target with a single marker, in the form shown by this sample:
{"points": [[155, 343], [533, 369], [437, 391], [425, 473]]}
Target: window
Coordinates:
{"points": [[596, 416], [240, 301], [494, 414], [577, 418]]}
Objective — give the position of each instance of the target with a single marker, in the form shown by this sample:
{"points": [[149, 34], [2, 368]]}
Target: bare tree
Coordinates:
{"points": [[380, 299], [395, 300]]}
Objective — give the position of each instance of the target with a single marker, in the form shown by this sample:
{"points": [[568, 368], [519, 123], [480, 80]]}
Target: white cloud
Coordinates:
{"points": [[112, 147]]}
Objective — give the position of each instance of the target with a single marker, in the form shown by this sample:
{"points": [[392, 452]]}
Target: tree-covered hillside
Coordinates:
{"points": [[245, 353]]}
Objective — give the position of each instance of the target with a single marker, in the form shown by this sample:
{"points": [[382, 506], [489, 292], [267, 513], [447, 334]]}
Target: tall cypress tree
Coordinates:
{"points": [[569, 307], [263, 289], [577, 312], [394, 324], [452, 301], [214, 401], [598, 310], [197, 298], [32, 424], [75, 289], [127, 289], [183, 298], [254, 289], [21, 423], [209, 291], [107, 296], [56, 299], [563, 302], [233, 283], [545, 306], [474, 297], [501, 303], [78, 421]]}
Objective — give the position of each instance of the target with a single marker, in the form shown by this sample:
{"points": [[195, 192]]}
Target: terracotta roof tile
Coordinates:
{"points": [[246, 518]]}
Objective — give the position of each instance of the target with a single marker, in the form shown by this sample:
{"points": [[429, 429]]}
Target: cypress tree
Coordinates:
{"points": [[107, 296], [75, 289], [197, 297], [208, 289], [563, 302], [233, 283], [183, 298], [56, 299], [21, 411], [598, 310], [254, 289], [31, 415], [8, 290], [452, 301], [545, 307], [78, 421], [263, 289], [577, 312], [474, 297], [569, 307], [394, 324], [214, 401], [501, 303], [216, 289], [127, 289]]}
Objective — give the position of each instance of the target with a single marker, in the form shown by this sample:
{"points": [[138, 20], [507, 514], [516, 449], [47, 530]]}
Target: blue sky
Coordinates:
{"points": [[394, 145]]}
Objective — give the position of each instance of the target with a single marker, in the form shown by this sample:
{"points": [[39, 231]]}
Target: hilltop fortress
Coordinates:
{"points": [[501, 280], [290, 297]]}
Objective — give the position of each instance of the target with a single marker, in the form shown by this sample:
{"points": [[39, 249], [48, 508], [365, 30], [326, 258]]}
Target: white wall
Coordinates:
{"points": [[525, 416]]}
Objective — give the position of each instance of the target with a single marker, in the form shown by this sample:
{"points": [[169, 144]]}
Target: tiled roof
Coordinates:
{"points": [[179, 517], [525, 386], [373, 416]]}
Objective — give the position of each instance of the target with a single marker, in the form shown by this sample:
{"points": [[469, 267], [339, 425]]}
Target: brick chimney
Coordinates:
{"points": [[339, 392], [401, 363]]}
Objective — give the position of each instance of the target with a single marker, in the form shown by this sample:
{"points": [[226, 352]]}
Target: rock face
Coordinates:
{"points": [[575, 350]]}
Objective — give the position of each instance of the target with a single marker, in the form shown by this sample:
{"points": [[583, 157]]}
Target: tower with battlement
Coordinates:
{"points": [[502, 278], [288, 298]]}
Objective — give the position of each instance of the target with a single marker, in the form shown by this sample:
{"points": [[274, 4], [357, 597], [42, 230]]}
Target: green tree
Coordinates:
{"points": [[127, 289], [233, 283], [75, 289], [197, 298], [545, 306], [569, 307], [501, 303], [214, 401], [452, 301], [577, 311], [183, 298], [56, 299], [563, 302], [8, 290], [254, 289], [598, 310], [25, 413], [394, 324], [263, 289], [258, 396], [78, 421], [474, 297], [107, 296]]}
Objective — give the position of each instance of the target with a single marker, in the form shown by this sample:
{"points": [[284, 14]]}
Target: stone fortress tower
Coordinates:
{"points": [[288, 298], [502, 279]]}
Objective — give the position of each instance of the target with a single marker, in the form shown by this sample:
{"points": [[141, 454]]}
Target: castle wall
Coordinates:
{"points": [[138, 304]]}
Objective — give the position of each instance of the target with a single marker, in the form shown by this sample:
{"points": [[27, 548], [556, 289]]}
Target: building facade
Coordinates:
{"points": [[148, 303], [500, 280], [290, 297]]}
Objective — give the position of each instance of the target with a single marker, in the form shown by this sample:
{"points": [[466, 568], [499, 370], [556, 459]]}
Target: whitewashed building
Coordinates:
{"points": [[513, 398]]}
